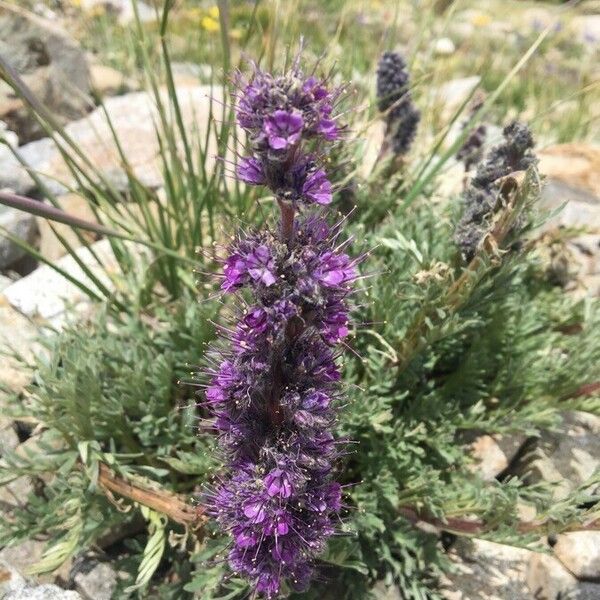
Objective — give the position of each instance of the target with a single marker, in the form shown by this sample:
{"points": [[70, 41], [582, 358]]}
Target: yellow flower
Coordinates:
{"points": [[213, 11], [481, 20], [235, 33], [209, 24]]}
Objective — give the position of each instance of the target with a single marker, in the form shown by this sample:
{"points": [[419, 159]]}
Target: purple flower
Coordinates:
{"points": [[278, 483], [260, 266], [283, 129], [317, 187], [250, 171]]}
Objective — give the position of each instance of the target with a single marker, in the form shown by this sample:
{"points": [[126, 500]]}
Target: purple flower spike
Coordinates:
{"points": [[274, 396], [283, 129]]}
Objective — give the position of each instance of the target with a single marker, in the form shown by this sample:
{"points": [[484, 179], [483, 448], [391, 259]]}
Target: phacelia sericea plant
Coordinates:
{"points": [[274, 385]]}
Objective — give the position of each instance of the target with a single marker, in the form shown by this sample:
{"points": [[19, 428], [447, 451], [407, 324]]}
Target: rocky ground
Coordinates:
{"points": [[67, 81]]}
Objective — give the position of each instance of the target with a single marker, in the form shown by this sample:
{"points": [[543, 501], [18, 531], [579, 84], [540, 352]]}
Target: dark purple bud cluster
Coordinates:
{"points": [[481, 197], [472, 151], [274, 386], [394, 99]]}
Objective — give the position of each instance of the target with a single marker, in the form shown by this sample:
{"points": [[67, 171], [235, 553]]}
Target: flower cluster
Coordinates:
{"points": [[274, 386], [472, 151], [394, 99], [277, 113], [481, 197]]}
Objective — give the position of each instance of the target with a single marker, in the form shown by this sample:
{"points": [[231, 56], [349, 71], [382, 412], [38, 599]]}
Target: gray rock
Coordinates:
{"points": [[486, 571], [50, 63], [42, 592], [95, 580], [581, 209], [133, 116], [567, 458], [123, 9], [20, 225], [450, 95], [382, 591]]}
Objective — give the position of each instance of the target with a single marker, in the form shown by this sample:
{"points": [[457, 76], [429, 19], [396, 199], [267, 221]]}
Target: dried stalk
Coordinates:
{"points": [[474, 527], [170, 504]]}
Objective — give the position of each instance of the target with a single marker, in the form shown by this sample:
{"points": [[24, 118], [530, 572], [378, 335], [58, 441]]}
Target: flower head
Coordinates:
{"points": [[481, 197]]}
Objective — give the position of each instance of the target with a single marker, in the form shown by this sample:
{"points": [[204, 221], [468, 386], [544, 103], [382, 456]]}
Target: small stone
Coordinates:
{"points": [[579, 551], [548, 579], [493, 454], [22, 226], [382, 591], [95, 580], [16, 333], [486, 570], [567, 457], [576, 164], [580, 208], [107, 81], [9, 439], [10, 579], [451, 95], [42, 592], [444, 47]]}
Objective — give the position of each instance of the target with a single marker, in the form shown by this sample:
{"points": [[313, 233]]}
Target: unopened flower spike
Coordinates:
{"points": [[480, 198], [394, 99], [275, 390]]}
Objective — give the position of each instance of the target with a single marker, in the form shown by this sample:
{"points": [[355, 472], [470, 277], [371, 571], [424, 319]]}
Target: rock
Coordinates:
{"points": [[95, 580], [452, 94], [579, 551], [587, 28], [566, 458], [581, 209], [9, 439], [21, 225], [51, 64], [486, 570], [122, 9], [133, 116], [443, 47], [576, 164], [17, 333], [45, 294], [107, 81], [382, 591], [547, 579], [76, 206], [10, 579], [493, 454], [188, 74], [4, 282], [21, 556], [12, 176], [42, 592]]}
